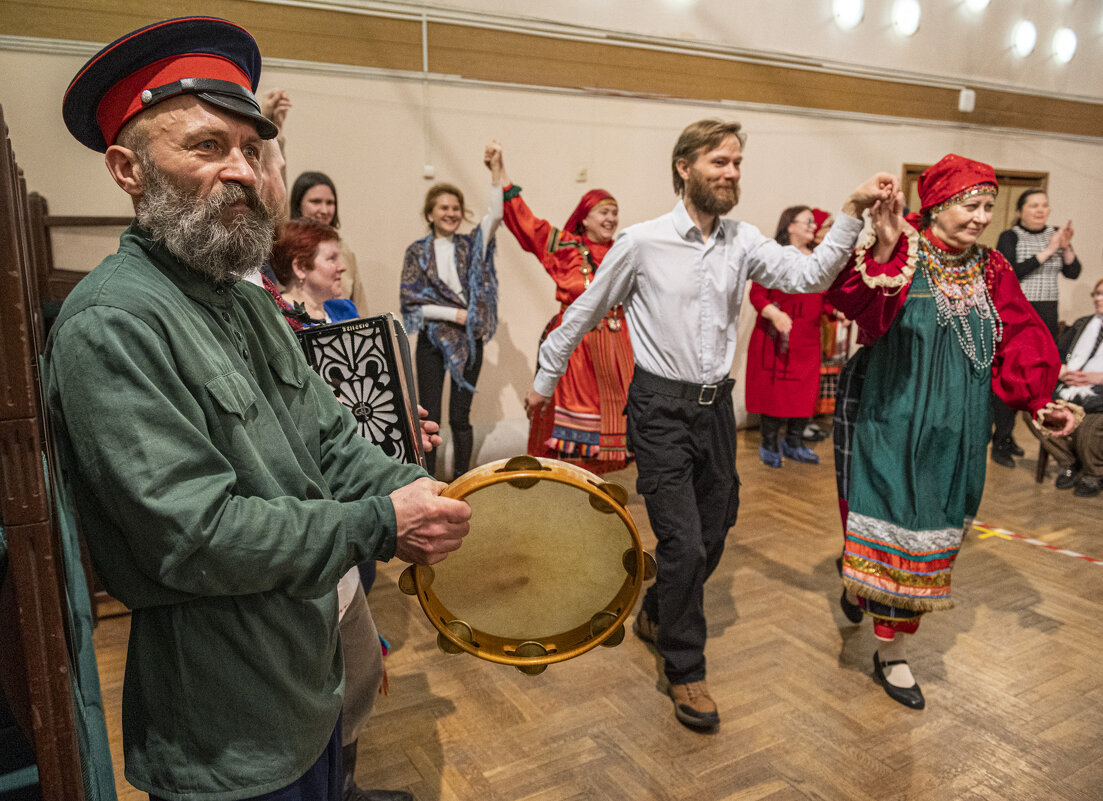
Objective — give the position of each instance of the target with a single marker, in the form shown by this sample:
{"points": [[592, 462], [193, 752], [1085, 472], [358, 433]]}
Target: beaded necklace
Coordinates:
{"points": [[958, 286]]}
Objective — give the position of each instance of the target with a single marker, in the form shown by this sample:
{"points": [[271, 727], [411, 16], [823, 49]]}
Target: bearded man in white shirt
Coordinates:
{"points": [[681, 278]]}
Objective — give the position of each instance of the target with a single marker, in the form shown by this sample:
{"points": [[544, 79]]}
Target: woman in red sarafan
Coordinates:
{"points": [[585, 422], [783, 356]]}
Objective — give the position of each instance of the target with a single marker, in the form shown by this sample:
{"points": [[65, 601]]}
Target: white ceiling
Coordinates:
{"points": [[953, 43]]}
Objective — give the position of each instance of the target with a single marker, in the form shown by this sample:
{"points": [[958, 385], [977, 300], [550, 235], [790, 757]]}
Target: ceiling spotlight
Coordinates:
{"points": [[905, 16], [848, 13], [1023, 37], [976, 5], [1064, 45]]}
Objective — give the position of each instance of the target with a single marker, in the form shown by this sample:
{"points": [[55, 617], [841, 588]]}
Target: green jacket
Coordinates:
{"points": [[223, 491]]}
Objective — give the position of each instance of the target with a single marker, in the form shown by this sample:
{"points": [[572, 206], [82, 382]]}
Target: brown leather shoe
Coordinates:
{"points": [[693, 706], [645, 628]]}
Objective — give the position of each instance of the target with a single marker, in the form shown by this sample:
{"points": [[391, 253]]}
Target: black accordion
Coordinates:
{"points": [[367, 364]]}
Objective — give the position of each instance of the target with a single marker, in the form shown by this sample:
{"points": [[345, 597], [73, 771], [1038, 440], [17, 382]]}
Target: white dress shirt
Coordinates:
{"points": [[1082, 358], [682, 293]]}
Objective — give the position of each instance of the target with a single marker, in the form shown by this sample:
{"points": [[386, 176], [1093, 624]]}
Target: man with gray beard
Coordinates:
{"points": [[222, 489], [193, 230], [681, 278]]}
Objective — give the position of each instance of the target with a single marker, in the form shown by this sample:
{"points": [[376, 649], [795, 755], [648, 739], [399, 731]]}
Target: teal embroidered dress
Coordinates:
{"points": [[943, 330]]}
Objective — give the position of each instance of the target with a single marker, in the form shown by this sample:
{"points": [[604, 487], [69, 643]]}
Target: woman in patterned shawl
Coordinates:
{"points": [[944, 324], [449, 296]]}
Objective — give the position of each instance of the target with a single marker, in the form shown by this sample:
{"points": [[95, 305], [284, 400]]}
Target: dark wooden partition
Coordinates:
{"points": [[34, 661], [55, 284]]}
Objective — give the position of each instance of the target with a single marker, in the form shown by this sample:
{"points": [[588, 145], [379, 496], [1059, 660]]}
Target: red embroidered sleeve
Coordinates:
{"points": [[870, 293]]}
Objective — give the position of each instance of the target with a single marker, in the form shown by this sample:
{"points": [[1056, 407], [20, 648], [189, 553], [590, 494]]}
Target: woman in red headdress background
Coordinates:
{"points": [[584, 423], [944, 324]]}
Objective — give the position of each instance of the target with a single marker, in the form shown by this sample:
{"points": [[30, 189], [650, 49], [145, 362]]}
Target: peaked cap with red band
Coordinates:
{"points": [[951, 176], [215, 60], [591, 199]]}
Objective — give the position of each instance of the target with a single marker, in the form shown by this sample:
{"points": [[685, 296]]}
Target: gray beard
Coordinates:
{"points": [[192, 229], [705, 200]]}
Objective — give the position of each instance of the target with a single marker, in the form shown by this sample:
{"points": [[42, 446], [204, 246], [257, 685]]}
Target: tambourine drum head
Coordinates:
{"points": [[550, 569], [536, 562]]}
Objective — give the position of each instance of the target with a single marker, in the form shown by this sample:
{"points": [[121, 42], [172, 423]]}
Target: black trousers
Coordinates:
{"points": [[430, 390], [685, 457], [1003, 421]]}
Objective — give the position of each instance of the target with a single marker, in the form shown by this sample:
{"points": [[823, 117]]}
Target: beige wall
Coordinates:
{"points": [[375, 133]]}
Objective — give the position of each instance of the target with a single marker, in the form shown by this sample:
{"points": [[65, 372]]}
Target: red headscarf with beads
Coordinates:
{"points": [[955, 175], [584, 207]]}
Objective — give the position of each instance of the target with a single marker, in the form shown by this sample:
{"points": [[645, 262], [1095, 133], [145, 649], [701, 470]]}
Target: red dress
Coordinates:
{"points": [[783, 378], [585, 422]]}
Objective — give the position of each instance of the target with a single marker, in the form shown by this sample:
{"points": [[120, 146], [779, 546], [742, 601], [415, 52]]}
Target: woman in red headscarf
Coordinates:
{"points": [[585, 422], [944, 324]]}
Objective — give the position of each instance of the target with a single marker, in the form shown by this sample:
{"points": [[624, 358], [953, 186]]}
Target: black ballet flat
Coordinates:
{"points": [[853, 612], [911, 697]]}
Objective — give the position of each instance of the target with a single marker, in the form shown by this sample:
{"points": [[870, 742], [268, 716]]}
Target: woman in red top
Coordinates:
{"points": [[585, 422], [783, 357]]}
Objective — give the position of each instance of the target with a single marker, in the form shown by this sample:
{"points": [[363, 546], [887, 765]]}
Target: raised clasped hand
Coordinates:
{"points": [[492, 154], [882, 186], [887, 217]]}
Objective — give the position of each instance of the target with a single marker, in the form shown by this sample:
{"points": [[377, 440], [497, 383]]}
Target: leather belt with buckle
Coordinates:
{"points": [[702, 394]]}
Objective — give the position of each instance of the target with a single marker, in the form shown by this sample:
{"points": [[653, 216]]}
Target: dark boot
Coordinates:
{"points": [[768, 450], [1068, 476], [793, 446], [1002, 453], [794, 429], [354, 793], [462, 441]]}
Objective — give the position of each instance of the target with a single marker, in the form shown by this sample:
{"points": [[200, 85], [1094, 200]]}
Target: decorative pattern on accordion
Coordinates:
{"points": [[358, 360]]}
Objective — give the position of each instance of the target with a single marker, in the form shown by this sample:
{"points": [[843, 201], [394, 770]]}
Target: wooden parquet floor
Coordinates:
{"points": [[1013, 676]]}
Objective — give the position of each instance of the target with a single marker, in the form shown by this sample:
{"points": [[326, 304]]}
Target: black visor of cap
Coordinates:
{"points": [[224, 94]]}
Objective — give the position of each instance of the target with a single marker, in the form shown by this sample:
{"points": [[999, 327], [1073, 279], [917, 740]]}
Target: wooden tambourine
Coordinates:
{"points": [[551, 568]]}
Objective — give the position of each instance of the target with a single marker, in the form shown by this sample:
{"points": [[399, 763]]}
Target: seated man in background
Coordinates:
{"points": [[1080, 455], [222, 488]]}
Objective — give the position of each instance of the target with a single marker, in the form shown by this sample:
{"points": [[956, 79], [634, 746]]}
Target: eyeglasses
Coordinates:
{"points": [[1097, 294], [804, 222]]}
